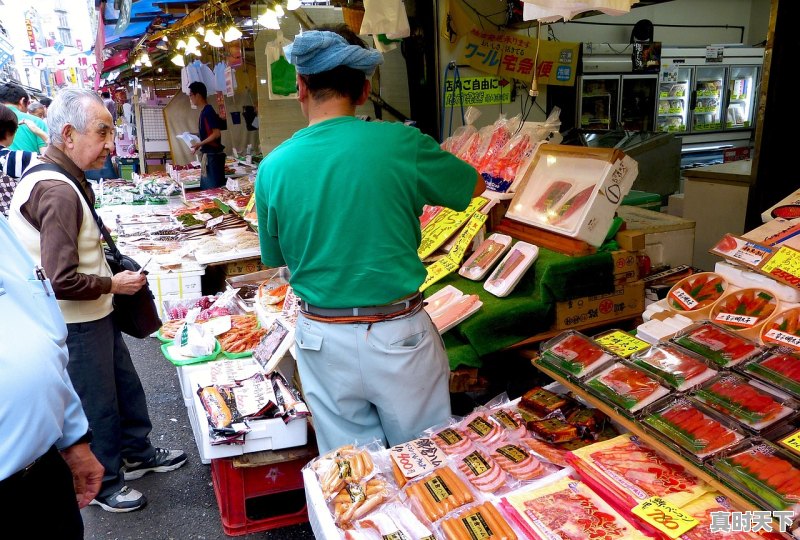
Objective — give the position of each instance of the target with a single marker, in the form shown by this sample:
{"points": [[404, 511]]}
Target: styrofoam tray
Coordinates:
{"points": [[445, 299], [502, 286], [476, 273]]}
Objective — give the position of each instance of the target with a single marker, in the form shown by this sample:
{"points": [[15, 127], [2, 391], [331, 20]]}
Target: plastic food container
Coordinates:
{"points": [[511, 269], [627, 388], [764, 472], [744, 311], [449, 306], [780, 367], [678, 367], [574, 354], [783, 328], [485, 257], [723, 347], [697, 431], [694, 295], [753, 404]]}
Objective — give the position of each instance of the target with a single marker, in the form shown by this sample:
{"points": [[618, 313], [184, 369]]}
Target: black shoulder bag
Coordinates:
{"points": [[134, 314]]}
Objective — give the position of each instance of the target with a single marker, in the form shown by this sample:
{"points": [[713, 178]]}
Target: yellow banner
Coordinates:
{"points": [[466, 236], [437, 271], [442, 227], [512, 56]]}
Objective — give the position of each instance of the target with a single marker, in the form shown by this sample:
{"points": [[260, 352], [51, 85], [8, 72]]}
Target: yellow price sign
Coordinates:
{"points": [[792, 442], [442, 227], [250, 203], [466, 236], [622, 343], [668, 519], [785, 265], [437, 271]]}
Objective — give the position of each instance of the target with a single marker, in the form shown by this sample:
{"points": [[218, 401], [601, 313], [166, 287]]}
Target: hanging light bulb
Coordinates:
{"points": [[181, 44], [200, 30], [144, 58], [232, 34], [279, 10], [269, 20], [292, 5], [178, 60], [213, 39], [192, 43], [164, 38]]}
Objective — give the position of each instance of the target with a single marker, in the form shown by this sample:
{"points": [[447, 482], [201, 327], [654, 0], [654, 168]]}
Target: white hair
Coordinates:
{"points": [[70, 107]]}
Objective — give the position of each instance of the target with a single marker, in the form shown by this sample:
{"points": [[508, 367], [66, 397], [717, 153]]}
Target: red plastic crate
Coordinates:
{"points": [[258, 497]]}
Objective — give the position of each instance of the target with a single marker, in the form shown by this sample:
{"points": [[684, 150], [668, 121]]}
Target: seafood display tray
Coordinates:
{"points": [[735, 497]]}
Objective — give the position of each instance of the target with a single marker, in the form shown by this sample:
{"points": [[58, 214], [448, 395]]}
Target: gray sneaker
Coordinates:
{"points": [[163, 461], [124, 500]]}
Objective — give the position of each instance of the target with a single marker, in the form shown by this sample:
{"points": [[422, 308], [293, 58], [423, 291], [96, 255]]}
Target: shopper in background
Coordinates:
{"points": [[110, 105], [339, 204], [46, 101], [16, 98], [212, 171], [47, 471], [51, 217], [12, 162], [37, 109]]}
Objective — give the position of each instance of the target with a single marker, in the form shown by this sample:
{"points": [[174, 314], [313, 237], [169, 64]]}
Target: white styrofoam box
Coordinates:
{"points": [[744, 278], [573, 191], [185, 374], [654, 331], [669, 240], [675, 206], [179, 283], [318, 514], [268, 434]]}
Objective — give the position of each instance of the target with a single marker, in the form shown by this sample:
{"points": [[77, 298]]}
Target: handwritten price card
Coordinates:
{"points": [[622, 343], [668, 519], [784, 265], [792, 442]]}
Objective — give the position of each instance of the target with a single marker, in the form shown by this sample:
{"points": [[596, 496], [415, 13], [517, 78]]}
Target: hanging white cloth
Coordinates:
{"points": [[547, 11]]}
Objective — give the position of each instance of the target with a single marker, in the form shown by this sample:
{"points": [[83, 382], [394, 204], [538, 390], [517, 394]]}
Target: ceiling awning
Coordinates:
{"points": [[115, 60], [134, 31]]}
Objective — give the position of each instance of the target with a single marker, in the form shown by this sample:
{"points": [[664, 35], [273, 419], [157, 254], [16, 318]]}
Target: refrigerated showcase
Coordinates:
{"points": [[673, 101], [613, 102]]}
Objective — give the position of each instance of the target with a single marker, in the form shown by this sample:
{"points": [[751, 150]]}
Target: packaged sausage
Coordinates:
{"points": [[477, 521], [438, 494], [357, 499], [344, 465]]}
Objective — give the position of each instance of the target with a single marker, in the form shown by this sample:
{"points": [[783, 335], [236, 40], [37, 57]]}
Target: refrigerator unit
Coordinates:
{"points": [[707, 96]]}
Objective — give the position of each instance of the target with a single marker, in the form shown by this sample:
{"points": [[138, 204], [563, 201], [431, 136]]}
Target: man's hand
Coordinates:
{"points": [[87, 473], [127, 282], [195, 148]]}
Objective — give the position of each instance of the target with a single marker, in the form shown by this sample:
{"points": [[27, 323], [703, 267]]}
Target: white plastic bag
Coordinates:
{"points": [[385, 17]]}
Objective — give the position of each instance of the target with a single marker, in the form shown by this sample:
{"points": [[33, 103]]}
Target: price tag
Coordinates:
{"points": [[622, 343], [792, 442], [785, 265], [684, 299], [437, 271], [668, 519], [250, 203], [783, 338], [202, 216], [742, 321], [214, 222]]}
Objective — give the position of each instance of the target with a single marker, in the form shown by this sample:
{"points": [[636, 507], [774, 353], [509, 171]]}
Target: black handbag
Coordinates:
{"points": [[134, 314]]}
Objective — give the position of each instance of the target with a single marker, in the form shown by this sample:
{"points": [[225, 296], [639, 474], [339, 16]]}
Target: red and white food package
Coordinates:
{"points": [[462, 134], [390, 521]]}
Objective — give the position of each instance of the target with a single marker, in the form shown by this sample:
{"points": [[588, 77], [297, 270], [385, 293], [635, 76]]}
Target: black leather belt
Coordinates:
{"points": [[368, 311], [22, 473]]}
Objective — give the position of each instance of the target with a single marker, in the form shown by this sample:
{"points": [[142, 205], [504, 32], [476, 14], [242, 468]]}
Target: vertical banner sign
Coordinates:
{"points": [[31, 34], [99, 44]]}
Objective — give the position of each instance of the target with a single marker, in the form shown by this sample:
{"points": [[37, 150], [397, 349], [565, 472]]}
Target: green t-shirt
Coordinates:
{"points": [[24, 139], [339, 204]]}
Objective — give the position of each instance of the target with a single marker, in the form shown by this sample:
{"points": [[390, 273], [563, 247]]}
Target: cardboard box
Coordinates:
{"points": [[626, 302], [626, 266], [573, 190], [245, 266]]}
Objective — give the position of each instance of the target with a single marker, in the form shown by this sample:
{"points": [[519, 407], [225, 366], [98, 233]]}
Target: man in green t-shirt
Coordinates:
{"points": [[339, 204], [16, 98]]}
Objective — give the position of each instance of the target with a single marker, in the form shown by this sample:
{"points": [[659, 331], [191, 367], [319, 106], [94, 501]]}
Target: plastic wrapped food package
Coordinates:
{"points": [[780, 367], [436, 495], [628, 388], [694, 295], [783, 328], [680, 368], [723, 347], [478, 265], [574, 353], [511, 269], [462, 134], [478, 521]]}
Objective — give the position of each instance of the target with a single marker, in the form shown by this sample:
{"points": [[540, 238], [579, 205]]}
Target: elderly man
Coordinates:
{"points": [[16, 98], [371, 361], [45, 442], [50, 213]]}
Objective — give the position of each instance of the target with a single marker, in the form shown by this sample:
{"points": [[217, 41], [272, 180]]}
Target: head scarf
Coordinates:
{"points": [[316, 51]]}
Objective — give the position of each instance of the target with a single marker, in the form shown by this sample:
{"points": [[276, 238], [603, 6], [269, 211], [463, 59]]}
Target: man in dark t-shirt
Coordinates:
{"points": [[212, 172]]}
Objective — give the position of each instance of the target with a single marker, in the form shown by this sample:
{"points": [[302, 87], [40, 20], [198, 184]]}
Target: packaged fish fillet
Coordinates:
{"points": [[692, 427], [627, 388], [574, 354], [478, 265], [680, 368], [765, 471], [448, 307], [511, 269], [755, 405], [780, 367], [723, 347]]}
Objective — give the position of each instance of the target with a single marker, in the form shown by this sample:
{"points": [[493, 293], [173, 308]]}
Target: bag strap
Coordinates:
{"points": [[52, 167]]}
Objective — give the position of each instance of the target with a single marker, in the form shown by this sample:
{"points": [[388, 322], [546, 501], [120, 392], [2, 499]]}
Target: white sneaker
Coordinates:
{"points": [[124, 500]]}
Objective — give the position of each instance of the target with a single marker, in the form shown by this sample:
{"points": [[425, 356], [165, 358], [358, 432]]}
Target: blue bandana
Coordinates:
{"points": [[315, 51]]}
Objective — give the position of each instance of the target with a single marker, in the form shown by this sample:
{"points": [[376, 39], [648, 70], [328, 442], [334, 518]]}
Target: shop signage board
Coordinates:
{"points": [[476, 91], [512, 56], [780, 262]]}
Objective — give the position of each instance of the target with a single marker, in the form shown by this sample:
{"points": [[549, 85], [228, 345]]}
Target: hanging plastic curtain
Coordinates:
{"points": [[546, 11]]}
